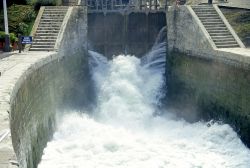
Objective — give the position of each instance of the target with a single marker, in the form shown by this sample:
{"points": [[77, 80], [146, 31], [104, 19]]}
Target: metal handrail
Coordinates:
{"points": [[112, 5]]}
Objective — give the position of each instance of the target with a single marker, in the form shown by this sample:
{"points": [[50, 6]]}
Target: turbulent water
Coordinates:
{"points": [[126, 130]]}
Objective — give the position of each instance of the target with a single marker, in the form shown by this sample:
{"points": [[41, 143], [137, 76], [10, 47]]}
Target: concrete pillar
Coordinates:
{"points": [[6, 28]]}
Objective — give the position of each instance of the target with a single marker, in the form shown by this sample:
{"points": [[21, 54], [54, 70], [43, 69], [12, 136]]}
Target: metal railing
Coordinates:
{"points": [[120, 5]]}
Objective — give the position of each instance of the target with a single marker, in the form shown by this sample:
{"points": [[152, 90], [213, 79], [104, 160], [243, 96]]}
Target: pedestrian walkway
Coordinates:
{"points": [[245, 4], [6, 54]]}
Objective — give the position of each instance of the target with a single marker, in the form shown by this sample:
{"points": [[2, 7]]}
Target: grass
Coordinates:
{"points": [[240, 21]]}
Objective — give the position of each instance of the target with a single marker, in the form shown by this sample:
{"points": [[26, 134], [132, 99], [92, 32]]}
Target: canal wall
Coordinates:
{"points": [[205, 82], [35, 86]]}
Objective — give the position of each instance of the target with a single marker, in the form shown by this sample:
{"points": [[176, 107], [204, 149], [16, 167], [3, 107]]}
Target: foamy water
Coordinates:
{"points": [[124, 131]]}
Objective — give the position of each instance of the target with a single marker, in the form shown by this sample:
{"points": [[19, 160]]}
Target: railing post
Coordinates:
{"points": [[155, 4]]}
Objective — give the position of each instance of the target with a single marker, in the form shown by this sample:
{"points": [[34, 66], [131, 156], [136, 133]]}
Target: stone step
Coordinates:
{"points": [[228, 46], [220, 34], [225, 42], [47, 31], [42, 49], [216, 28], [45, 37], [51, 20], [202, 6], [42, 46], [59, 8], [202, 12], [208, 17], [223, 39], [203, 9], [211, 20], [49, 24], [61, 17], [53, 15], [218, 31], [56, 7], [49, 12], [218, 37], [213, 23], [48, 28], [207, 14], [46, 34], [44, 41]]}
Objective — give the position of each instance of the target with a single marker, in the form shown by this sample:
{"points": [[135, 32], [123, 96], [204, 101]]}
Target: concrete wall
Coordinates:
{"points": [[38, 85], [205, 82], [119, 33]]}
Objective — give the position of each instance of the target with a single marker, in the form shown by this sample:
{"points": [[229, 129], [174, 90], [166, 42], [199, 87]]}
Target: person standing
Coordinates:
{"points": [[210, 1]]}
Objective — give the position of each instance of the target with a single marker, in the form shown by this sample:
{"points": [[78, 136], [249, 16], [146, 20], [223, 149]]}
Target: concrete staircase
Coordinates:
{"points": [[214, 25], [48, 28]]}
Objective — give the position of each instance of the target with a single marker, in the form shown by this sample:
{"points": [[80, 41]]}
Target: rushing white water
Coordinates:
{"points": [[125, 131]]}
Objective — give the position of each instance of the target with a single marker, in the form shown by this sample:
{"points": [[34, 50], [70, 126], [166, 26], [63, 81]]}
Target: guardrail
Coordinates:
{"points": [[120, 5]]}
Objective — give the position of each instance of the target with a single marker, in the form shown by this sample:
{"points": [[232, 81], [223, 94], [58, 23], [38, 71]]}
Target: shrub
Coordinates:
{"points": [[13, 37], [38, 3], [22, 28]]}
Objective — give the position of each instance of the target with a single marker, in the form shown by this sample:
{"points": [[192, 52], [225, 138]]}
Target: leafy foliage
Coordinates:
{"points": [[19, 18], [13, 37], [38, 3]]}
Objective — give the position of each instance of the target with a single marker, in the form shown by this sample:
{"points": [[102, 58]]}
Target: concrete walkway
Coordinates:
{"points": [[228, 3], [14, 68], [245, 4], [7, 54], [242, 51]]}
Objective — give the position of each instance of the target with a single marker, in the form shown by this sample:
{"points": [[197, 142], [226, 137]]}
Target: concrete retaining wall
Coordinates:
{"points": [[36, 85], [205, 82]]}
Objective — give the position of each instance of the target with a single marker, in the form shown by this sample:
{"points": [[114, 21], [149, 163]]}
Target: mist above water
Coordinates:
{"points": [[126, 130]]}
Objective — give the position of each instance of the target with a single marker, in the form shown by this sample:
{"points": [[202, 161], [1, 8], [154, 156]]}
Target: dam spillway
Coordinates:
{"points": [[204, 89], [127, 127]]}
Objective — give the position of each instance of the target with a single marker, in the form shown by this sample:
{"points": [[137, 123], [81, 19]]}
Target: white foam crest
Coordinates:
{"points": [[83, 142], [128, 94]]}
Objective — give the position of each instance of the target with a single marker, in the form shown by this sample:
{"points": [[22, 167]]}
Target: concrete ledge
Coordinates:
{"points": [[62, 29], [14, 70]]}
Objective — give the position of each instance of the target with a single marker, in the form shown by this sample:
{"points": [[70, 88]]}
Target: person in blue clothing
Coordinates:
{"points": [[210, 1]]}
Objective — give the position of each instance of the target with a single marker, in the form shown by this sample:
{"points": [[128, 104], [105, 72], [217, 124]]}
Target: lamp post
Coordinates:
{"points": [[6, 28]]}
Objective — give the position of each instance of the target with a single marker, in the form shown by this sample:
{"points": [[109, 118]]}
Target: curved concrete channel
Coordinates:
{"points": [[213, 83]]}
